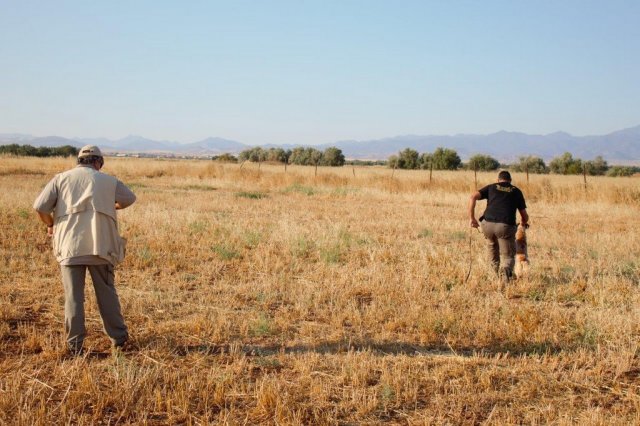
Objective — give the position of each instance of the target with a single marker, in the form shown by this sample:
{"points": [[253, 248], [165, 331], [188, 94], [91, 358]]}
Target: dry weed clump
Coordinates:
{"points": [[259, 296]]}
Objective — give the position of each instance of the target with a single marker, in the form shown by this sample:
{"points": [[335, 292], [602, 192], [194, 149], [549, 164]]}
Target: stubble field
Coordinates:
{"points": [[259, 296]]}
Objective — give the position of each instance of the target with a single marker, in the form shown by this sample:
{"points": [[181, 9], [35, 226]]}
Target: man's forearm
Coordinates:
{"points": [[46, 218]]}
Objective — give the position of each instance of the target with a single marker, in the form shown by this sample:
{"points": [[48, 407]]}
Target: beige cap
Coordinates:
{"points": [[88, 151]]}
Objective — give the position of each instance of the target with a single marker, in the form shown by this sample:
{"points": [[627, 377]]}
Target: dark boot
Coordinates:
{"points": [[506, 275]]}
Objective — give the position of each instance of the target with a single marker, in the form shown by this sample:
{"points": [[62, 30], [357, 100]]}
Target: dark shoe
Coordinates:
{"points": [[506, 275], [125, 346]]}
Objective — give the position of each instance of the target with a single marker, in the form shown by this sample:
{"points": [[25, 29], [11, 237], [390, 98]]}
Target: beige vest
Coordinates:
{"points": [[85, 216]]}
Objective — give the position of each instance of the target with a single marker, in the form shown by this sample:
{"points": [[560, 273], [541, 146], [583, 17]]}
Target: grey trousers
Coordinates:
{"points": [[73, 279], [501, 245]]}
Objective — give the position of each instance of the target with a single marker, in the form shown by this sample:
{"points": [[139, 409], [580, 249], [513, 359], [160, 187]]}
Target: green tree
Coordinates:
{"points": [[406, 159], [596, 167], [333, 156], [67, 151], [244, 155], [305, 156], [566, 165], [616, 171], [425, 160], [299, 156], [483, 162], [315, 156], [225, 158], [276, 155], [255, 154], [445, 159], [532, 164]]}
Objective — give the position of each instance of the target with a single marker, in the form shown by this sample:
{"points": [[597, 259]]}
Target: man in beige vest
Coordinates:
{"points": [[79, 208]]}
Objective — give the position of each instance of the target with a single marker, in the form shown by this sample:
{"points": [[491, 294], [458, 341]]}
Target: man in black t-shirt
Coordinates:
{"points": [[498, 223]]}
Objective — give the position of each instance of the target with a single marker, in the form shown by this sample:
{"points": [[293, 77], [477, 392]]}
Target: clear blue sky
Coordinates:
{"points": [[317, 71]]}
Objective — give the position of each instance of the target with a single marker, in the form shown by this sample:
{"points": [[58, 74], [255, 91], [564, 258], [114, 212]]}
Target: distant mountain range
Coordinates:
{"points": [[622, 146]]}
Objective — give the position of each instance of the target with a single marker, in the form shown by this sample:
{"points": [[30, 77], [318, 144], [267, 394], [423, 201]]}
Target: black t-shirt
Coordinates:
{"points": [[503, 199]]}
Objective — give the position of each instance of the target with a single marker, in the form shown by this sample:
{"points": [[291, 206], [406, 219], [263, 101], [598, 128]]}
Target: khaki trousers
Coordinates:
{"points": [[501, 245], [73, 279]]}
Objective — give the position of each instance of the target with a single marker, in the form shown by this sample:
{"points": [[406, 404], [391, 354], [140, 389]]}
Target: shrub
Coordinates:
{"points": [[530, 163], [333, 157], [566, 165], [225, 158], [251, 195], [597, 167], [305, 156], [445, 159], [441, 159], [483, 162], [252, 154], [616, 171]]}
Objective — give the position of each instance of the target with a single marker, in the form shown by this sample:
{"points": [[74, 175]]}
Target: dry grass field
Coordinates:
{"points": [[259, 296]]}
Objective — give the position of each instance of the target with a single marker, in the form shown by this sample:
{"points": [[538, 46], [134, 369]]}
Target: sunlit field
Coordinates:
{"points": [[255, 295]]}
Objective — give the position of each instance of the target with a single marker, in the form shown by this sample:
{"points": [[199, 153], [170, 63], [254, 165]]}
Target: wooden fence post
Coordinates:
{"points": [[475, 175]]}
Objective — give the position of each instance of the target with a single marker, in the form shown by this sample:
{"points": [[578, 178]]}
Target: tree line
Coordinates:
{"points": [[408, 158], [448, 159], [303, 156], [40, 151]]}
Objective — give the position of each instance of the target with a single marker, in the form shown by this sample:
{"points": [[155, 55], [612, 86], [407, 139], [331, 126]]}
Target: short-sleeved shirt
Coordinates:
{"points": [[503, 199]]}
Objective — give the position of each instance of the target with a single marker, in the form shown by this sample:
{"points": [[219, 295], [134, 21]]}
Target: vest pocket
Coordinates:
{"points": [[120, 250]]}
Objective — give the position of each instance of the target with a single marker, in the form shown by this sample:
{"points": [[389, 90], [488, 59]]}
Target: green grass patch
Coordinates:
{"points": [[197, 188], [252, 195], [136, 185], [301, 247], [252, 239], [225, 251], [146, 256], [21, 171], [332, 254], [459, 235], [301, 189], [198, 227], [631, 271], [425, 233], [24, 213], [263, 326], [343, 191]]}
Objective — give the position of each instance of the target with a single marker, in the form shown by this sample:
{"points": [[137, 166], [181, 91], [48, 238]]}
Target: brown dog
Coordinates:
{"points": [[522, 257]]}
